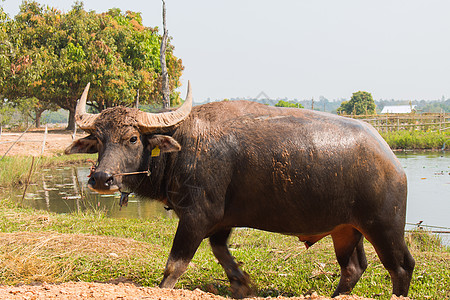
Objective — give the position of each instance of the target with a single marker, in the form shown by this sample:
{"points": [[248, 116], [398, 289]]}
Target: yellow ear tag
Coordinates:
{"points": [[156, 151]]}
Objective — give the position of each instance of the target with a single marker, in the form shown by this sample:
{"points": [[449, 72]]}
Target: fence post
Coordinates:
{"points": [[387, 129], [28, 179], [43, 142], [74, 131]]}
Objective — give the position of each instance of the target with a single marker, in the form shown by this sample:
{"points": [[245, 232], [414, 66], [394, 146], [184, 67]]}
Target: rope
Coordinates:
{"points": [[133, 173]]}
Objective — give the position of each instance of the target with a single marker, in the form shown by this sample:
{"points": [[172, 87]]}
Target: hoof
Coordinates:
{"points": [[241, 288]]}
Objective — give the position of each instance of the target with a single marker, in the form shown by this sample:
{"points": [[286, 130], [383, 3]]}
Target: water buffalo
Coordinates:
{"points": [[242, 164]]}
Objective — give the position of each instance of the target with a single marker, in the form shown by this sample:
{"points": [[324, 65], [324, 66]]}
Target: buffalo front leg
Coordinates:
{"points": [[239, 280], [184, 246]]}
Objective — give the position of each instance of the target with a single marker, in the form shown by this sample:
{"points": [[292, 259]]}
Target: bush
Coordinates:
{"points": [[405, 139]]}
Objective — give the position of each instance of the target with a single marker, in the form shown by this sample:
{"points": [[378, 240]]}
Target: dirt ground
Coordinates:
{"points": [[31, 142], [55, 143], [91, 290]]}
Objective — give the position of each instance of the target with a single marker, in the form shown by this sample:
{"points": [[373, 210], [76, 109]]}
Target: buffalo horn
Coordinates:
{"points": [[151, 121], [84, 120]]}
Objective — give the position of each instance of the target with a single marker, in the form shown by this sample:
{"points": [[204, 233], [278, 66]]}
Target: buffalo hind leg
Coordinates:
{"points": [[184, 246], [349, 249], [239, 280], [395, 256]]}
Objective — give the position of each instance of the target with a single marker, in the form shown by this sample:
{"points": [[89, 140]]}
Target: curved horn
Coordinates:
{"points": [[83, 119], [149, 121]]}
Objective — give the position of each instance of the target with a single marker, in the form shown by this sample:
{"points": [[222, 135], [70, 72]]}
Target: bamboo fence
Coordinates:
{"points": [[413, 121]]}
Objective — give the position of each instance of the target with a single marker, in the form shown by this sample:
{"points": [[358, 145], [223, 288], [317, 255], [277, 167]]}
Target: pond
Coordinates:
{"points": [[428, 189], [63, 190]]}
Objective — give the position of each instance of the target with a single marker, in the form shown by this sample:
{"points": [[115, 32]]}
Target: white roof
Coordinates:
{"points": [[398, 109]]}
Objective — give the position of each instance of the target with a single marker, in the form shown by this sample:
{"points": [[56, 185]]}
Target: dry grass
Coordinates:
{"points": [[28, 257]]}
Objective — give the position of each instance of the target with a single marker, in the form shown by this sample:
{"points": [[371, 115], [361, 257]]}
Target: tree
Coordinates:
{"points": [[61, 52], [5, 48], [283, 103], [6, 113], [361, 103]]}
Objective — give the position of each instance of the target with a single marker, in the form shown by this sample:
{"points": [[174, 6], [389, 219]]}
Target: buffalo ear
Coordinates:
{"points": [[87, 144], [165, 143]]}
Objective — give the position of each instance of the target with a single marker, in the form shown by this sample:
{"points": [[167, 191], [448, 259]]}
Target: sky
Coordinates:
{"points": [[301, 49]]}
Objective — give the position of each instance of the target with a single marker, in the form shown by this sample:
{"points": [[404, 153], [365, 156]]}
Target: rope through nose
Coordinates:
{"points": [[133, 173]]}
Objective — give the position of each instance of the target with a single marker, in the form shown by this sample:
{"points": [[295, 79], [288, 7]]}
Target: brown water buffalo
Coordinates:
{"points": [[242, 164]]}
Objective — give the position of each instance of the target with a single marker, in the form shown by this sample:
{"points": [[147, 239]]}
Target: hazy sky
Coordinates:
{"points": [[395, 49]]}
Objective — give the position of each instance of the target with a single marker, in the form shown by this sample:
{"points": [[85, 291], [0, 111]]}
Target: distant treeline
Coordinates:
{"points": [[323, 104]]}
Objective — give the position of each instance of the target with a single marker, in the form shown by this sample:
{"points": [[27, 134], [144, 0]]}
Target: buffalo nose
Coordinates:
{"points": [[101, 180]]}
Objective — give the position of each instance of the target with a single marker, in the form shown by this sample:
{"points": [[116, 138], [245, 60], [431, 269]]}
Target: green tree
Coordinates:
{"points": [[59, 53], [5, 48], [282, 103], [361, 103], [6, 113], [29, 59]]}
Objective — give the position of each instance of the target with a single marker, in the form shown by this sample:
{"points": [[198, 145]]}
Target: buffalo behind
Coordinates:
{"points": [[242, 164]]}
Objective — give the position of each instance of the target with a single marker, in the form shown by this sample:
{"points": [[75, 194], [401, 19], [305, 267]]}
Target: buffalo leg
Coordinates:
{"points": [[184, 246], [239, 280], [349, 248], [395, 256]]}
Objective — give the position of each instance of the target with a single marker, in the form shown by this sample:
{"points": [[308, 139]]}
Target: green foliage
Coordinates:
{"points": [[14, 169], [75, 53], [59, 116], [361, 103], [435, 106], [283, 103], [422, 240], [56, 54], [5, 47], [6, 113], [405, 139]]}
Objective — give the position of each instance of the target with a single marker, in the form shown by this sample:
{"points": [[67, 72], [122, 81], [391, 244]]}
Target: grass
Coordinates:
{"points": [[405, 139], [422, 240], [37, 246], [14, 169]]}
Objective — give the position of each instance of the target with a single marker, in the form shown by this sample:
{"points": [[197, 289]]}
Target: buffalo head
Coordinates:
{"points": [[125, 139]]}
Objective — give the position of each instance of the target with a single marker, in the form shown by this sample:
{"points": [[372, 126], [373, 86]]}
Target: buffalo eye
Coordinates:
{"points": [[133, 139]]}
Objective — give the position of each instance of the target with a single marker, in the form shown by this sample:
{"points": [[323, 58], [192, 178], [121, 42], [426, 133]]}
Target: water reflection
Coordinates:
{"points": [[64, 190]]}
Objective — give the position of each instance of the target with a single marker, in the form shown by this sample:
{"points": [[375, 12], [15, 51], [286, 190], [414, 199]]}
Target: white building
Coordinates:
{"points": [[398, 109]]}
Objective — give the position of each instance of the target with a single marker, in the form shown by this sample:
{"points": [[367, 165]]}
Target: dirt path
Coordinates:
{"points": [[90, 290], [31, 142]]}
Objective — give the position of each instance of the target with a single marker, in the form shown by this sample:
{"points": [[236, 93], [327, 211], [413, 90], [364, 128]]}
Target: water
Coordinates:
{"points": [[428, 189], [64, 190], [58, 190]]}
